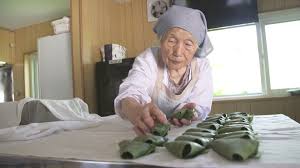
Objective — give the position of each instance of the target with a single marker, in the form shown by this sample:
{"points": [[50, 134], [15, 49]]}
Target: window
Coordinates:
{"points": [[283, 54], [260, 59], [31, 75], [235, 61], [280, 35]]}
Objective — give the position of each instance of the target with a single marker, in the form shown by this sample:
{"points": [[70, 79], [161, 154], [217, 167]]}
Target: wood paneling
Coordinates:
{"points": [[273, 5], [106, 21], [6, 45], [12, 50], [76, 49], [293, 108], [223, 107], [26, 41], [244, 106], [289, 106]]}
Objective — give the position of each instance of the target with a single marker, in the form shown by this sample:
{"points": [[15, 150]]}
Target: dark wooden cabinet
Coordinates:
{"points": [[108, 79]]}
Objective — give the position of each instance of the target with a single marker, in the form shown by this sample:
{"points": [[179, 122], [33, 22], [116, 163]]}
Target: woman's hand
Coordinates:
{"points": [[182, 122], [147, 117]]}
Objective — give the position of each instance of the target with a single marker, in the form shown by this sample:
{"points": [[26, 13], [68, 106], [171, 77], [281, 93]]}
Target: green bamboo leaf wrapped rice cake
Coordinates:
{"points": [[184, 114], [160, 129], [234, 128], [236, 149], [201, 130], [135, 149], [200, 134], [184, 149], [234, 133], [152, 139], [199, 140], [209, 125]]}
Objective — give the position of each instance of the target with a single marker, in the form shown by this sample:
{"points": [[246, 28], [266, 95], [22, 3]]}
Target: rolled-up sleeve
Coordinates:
{"points": [[140, 81], [202, 93]]}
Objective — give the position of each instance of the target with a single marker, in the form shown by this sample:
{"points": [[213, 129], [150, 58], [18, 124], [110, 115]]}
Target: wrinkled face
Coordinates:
{"points": [[177, 48]]}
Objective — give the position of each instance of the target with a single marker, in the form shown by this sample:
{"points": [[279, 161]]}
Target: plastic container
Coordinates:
{"points": [[61, 25]]}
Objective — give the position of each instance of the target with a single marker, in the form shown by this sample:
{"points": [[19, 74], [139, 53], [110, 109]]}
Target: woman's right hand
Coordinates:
{"points": [[145, 120]]}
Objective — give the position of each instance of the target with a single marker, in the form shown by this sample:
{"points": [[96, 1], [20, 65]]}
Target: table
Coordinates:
{"points": [[98, 147]]}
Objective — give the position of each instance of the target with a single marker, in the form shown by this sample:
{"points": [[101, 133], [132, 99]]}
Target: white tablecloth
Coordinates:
{"points": [[279, 145]]}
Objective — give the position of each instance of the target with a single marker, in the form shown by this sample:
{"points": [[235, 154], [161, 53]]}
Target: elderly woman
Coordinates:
{"points": [[174, 76]]}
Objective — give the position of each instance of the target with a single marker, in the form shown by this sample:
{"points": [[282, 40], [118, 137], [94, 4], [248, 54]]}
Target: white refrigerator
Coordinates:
{"points": [[55, 67]]}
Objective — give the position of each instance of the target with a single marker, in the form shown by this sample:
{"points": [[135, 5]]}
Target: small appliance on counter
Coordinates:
{"points": [[113, 53]]}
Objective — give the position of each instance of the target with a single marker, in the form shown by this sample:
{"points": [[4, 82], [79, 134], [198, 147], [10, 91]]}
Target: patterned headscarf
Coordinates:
{"points": [[191, 20]]}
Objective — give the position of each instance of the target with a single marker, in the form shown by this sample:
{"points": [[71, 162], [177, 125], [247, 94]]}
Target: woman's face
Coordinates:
{"points": [[177, 48]]}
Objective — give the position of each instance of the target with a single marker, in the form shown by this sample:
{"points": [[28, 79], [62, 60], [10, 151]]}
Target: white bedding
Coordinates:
{"points": [[279, 147], [73, 115], [67, 110]]}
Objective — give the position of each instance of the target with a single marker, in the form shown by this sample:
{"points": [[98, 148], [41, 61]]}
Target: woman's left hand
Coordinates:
{"points": [[182, 122]]}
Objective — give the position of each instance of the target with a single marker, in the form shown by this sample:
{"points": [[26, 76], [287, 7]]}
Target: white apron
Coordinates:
{"points": [[167, 101]]}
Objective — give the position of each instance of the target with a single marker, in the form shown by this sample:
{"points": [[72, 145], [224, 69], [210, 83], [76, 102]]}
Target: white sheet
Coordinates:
{"points": [[73, 114], [66, 110], [279, 147]]}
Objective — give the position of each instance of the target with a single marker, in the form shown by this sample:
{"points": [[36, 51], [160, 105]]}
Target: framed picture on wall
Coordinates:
{"points": [[156, 8]]}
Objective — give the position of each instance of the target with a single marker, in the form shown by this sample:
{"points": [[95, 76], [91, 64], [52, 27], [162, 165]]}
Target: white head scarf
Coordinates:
{"points": [[191, 20]]}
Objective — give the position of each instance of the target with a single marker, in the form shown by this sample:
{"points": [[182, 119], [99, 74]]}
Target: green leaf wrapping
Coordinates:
{"points": [[199, 140], [219, 120], [160, 129], [213, 118], [184, 114], [250, 118], [247, 117], [184, 149], [217, 115], [237, 113], [179, 114], [238, 134], [234, 133], [201, 130], [237, 117], [234, 128], [238, 120], [209, 125], [243, 136], [236, 123], [135, 149], [235, 149], [151, 139], [205, 123], [189, 114], [200, 134]]}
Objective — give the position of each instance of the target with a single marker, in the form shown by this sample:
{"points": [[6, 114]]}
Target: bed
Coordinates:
{"points": [[98, 147]]}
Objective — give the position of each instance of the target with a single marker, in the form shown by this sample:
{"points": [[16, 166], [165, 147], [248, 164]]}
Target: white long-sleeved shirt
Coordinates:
{"points": [[142, 77]]}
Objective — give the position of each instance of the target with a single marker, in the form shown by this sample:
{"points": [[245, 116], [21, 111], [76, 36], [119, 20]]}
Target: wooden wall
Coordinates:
{"points": [[25, 42], [7, 40], [78, 84], [289, 106], [106, 21], [273, 5]]}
